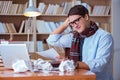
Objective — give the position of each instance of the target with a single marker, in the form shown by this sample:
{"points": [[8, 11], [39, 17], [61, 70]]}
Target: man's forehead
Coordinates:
{"points": [[73, 17]]}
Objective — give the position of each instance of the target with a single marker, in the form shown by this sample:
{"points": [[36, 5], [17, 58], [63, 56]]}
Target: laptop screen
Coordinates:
{"points": [[13, 52]]}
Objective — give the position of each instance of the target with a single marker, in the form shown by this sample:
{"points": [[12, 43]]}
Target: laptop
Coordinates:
{"points": [[12, 52]]}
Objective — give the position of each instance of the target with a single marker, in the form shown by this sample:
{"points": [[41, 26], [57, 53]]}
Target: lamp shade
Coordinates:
{"points": [[31, 11]]}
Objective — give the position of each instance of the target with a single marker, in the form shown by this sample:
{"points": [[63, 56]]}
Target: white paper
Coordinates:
{"points": [[19, 66], [67, 65], [42, 64], [50, 53]]}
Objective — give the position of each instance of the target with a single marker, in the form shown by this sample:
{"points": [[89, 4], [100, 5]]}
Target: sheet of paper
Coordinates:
{"points": [[50, 53]]}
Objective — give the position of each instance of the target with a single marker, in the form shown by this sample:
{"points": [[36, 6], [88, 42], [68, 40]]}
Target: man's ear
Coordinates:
{"points": [[86, 16]]}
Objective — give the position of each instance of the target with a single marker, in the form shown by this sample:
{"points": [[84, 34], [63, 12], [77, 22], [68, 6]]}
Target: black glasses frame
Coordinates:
{"points": [[75, 21]]}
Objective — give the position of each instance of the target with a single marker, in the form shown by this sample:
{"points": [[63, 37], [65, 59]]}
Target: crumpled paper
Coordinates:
{"points": [[67, 65], [42, 65], [19, 66]]}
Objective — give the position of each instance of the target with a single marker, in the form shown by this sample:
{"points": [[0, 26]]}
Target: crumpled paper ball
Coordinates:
{"points": [[67, 65], [42, 65], [19, 66]]}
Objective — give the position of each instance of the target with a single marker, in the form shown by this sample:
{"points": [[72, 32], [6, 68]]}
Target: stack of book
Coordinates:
{"points": [[47, 27], [7, 28], [55, 8], [101, 10], [8, 7]]}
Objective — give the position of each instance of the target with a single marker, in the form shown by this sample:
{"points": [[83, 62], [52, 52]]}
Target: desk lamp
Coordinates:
{"points": [[30, 12]]}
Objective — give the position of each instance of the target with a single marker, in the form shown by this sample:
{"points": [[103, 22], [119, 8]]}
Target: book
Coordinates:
{"points": [[45, 9], [9, 6], [40, 26], [59, 10], [47, 27], [107, 10], [12, 27], [6, 29], [40, 46], [56, 7], [3, 7], [41, 7], [67, 7], [22, 26], [2, 30], [48, 9], [52, 25]]}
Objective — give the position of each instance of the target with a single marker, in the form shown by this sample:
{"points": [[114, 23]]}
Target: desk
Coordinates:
{"points": [[78, 74]]}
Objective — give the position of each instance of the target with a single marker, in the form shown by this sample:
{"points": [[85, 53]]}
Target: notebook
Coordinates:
{"points": [[12, 52]]}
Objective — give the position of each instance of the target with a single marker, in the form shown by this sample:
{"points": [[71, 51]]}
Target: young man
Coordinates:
{"points": [[90, 45]]}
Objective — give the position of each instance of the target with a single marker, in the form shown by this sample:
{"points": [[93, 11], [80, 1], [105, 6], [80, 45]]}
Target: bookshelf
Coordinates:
{"points": [[101, 14], [11, 16], [7, 15]]}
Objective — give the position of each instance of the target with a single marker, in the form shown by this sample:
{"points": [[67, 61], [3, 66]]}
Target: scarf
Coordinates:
{"points": [[75, 52]]}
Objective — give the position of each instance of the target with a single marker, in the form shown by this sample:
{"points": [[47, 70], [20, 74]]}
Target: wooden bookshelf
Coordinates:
{"points": [[18, 17], [101, 18]]}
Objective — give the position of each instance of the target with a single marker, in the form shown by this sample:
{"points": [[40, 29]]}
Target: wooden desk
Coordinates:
{"points": [[79, 74]]}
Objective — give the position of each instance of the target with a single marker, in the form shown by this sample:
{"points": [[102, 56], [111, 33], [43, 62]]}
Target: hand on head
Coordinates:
{"points": [[66, 22]]}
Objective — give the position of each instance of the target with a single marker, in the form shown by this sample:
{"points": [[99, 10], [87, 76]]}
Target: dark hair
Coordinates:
{"points": [[78, 10]]}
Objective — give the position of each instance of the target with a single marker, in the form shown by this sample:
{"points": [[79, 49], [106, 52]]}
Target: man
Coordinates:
{"points": [[90, 45]]}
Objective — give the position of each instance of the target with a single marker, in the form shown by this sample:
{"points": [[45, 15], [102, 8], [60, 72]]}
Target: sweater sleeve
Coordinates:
{"points": [[62, 40]]}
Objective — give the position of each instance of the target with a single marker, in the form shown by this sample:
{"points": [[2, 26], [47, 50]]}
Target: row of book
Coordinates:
{"points": [[96, 9], [49, 26], [8, 7], [65, 7], [101, 10], [7, 28], [55, 8], [60, 8], [42, 27]]}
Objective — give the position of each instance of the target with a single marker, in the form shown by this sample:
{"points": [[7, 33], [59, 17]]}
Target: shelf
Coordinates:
{"points": [[15, 36], [17, 19], [15, 15], [54, 18], [54, 1], [65, 15], [100, 15], [97, 2], [42, 36]]}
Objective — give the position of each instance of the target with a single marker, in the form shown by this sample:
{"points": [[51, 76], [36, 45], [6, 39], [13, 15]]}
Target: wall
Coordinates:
{"points": [[116, 36]]}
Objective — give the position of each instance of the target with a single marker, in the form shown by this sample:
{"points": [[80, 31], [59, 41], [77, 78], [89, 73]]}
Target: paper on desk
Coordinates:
{"points": [[50, 53]]}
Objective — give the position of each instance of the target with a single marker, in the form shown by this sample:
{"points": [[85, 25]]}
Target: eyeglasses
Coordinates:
{"points": [[75, 21]]}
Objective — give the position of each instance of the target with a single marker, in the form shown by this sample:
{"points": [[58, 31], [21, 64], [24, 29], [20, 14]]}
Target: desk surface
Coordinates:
{"points": [[78, 74]]}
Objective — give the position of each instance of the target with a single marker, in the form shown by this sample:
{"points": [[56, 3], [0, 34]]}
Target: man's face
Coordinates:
{"points": [[78, 23]]}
